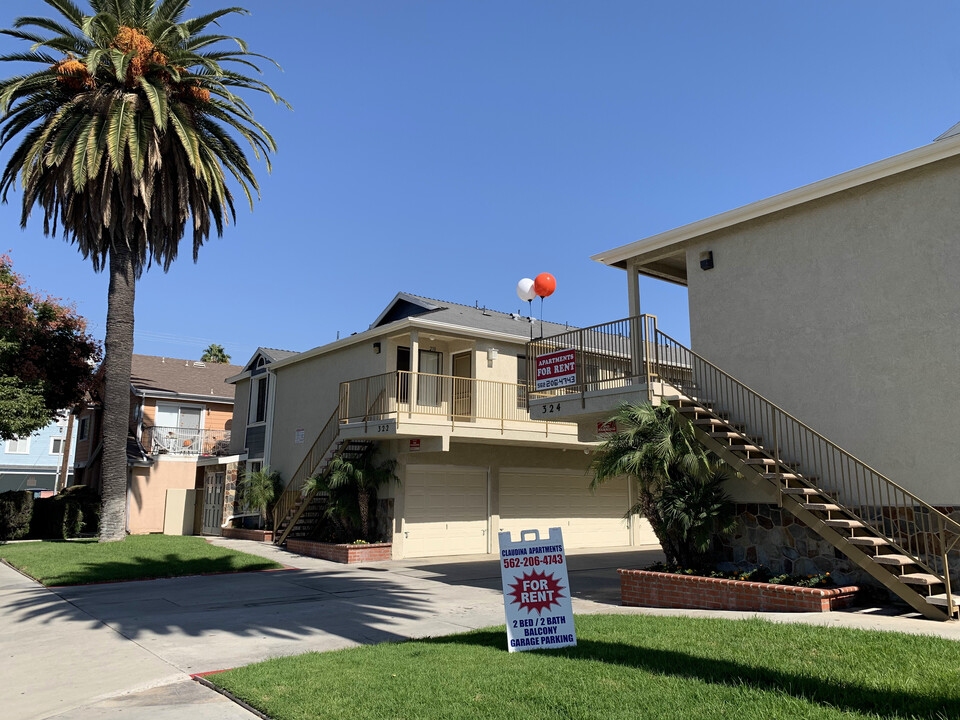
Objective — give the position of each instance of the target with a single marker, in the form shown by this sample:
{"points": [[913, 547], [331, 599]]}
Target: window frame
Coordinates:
{"points": [[7, 449]]}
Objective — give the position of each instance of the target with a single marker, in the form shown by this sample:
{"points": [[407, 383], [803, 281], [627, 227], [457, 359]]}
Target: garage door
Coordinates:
{"points": [[445, 510], [533, 499]]}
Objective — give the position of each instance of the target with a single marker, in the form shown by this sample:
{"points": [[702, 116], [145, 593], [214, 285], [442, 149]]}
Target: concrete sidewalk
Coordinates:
{"points": [[59, 659]]}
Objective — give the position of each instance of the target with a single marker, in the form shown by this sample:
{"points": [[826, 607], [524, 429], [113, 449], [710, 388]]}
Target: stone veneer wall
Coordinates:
{"points": [[770, 536]]}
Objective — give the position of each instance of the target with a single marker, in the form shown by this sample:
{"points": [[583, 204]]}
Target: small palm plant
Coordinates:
{"points": [[680, 487], [351, 483], [260, 489]]}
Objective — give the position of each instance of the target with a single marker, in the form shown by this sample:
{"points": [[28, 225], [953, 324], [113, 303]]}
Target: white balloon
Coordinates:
{"points": [[525, 290]]}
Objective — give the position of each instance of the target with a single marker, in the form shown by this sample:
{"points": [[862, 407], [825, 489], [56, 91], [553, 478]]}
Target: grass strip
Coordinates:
{"points": [[625, 666], [138, 557]]}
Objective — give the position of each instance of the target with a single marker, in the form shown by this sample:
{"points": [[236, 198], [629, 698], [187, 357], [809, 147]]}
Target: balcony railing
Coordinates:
{"points": [[612, 355], [455, 399], [185, 441]]}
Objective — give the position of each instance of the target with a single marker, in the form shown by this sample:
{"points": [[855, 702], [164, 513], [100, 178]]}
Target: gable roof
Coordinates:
{"points": [[153, 375], [270, 355], [946, 146], [406, 305]]}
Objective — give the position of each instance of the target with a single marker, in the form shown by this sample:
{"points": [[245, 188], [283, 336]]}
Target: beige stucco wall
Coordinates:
{"points": [[307, 393], [846, 312], [147, 494]]}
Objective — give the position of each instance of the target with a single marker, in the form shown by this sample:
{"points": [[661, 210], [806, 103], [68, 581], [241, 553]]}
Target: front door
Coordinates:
{"points": [[462, 385], [212, 503]]}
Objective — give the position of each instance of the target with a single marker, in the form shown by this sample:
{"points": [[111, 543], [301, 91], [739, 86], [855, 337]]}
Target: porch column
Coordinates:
{"points": [[633, 290], [414, 366], [636, 326]]}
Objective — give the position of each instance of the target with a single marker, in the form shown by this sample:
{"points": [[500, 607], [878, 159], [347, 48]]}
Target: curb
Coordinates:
{"points": [[202, 679]]}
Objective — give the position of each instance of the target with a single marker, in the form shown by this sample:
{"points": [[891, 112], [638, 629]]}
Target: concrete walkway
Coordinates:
{"points": [[126, 650]]}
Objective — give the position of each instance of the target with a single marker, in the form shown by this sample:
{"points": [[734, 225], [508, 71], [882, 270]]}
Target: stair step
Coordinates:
{"points": [[844, 523], [941, 600], [822, 507], [745, 448], [898, 560], [779, 476], [868, 541], [920, 579], [759, 461], [710, 421], [800, 491]]}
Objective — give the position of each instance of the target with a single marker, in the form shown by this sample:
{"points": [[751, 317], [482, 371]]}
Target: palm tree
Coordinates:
{"points": [[124, 136], [679, 488], [215, 354], [260, 489], [360, 477]]}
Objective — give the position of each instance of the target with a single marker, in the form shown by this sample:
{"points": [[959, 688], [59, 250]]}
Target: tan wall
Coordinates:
{"points": [[306, 394], [846, 312], [148, 492]]}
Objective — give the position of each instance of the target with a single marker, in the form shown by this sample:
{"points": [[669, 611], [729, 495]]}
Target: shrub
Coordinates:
{"points": [[73, 511], [16, 509]]}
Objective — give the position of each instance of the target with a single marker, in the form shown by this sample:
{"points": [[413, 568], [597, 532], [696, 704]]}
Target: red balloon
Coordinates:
{"points": [[544, 284]]}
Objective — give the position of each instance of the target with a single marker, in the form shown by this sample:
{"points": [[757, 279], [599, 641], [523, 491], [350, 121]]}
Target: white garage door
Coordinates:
{"points": [[536, 499], [445, 510]]}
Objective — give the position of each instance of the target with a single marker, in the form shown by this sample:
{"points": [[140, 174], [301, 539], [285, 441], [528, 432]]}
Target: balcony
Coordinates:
{"points": [[407, 404], [185, 441], [582, 375]]}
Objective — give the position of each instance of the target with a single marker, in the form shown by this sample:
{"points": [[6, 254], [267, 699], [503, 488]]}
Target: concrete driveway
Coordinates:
{"points": [[75, 651]]}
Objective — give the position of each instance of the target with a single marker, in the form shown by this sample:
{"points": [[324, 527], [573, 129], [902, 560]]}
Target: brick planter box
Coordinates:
{"points": [[346, 553], [666, 590], [244, 534]]}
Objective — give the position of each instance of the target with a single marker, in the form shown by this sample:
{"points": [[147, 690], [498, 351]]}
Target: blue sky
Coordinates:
{"points": [[449, 148]]}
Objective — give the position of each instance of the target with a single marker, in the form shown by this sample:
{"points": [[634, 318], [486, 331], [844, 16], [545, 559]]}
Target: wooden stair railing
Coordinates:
{"points": [[889, 532]]}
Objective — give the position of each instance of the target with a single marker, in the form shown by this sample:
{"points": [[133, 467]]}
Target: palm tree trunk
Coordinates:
{"points": [[117, 360]]}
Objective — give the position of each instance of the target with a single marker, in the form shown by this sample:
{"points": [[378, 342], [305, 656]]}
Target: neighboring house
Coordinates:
{"points": [[436, 386], [35, 462], [835, 304], [181, 414]]}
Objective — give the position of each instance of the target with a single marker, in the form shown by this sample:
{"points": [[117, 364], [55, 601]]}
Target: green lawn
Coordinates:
{"points": [[139, 557], [625, 666]]}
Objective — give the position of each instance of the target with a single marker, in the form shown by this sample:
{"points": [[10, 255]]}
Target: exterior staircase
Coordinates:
{"points": [[297, 511], [894, 536]]}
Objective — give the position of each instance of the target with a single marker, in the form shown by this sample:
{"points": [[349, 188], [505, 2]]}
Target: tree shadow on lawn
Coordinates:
{"points": [[842, 696], [170, 565]]}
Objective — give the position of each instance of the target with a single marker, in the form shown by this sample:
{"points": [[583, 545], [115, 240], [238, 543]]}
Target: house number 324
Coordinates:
{"points": [[551, 408]]}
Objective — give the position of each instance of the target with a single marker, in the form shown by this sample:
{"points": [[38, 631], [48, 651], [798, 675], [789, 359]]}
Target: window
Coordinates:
{"points": [[56, 446], [258, 400], [18, 446], [83, 429]]}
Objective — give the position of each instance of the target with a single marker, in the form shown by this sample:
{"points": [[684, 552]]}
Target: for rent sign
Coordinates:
{"points": [[536, 591], [556, 369]]}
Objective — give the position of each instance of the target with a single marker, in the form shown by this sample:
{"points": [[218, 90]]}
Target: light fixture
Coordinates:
{"points": [[376, 348], [491, 354], [706, 260]]}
